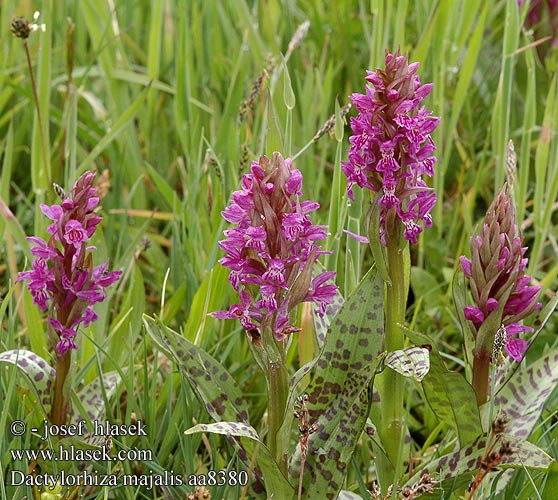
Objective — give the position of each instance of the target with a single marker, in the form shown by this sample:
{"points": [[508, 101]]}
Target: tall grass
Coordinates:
{"points": [[151, 91]]}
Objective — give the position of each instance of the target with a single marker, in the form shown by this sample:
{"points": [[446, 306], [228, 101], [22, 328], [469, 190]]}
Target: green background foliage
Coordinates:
{"points": [[151, 91]]}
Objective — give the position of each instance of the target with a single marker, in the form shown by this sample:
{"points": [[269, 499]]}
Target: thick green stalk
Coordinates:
{"points": [[278, 391], [391, 384]]}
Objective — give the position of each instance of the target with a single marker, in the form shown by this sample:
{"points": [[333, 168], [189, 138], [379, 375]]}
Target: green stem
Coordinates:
{"points": [[278, 384], [38, 108], [278, 391], [391, 384]]}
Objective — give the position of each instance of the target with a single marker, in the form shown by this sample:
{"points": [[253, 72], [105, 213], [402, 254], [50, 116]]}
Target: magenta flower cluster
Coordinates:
{"points": [[391, 148], [272, 249], [540, 10], [496, 273], [63, 279]]}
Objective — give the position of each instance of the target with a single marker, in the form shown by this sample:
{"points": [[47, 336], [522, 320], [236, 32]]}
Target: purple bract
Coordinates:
{"points": [[496, 274]]}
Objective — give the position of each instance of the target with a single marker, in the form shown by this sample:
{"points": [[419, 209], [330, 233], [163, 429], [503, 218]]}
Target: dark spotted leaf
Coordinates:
{"points": [[90, 404], [218, 391], [524, 395], [39, 374], [522, 399], [410, 362], [339, 396], [274, 479], [455, 470], [505, 371], [449, 395], [214, 386], [227, 429]]}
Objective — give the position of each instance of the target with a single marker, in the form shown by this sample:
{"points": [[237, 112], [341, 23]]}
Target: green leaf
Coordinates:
{"points": [[551, 485], [274, 480], [40, 375], [115, 130], [338, 396], [169, 195], [208, 298], [218, 391], [35, 325], [288, 93], [449, 395], [410, 362]]}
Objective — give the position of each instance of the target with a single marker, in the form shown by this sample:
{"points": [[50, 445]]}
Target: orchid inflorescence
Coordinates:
{"points": [[496, 273], [63, 279], [272, 250], [391, 147]]}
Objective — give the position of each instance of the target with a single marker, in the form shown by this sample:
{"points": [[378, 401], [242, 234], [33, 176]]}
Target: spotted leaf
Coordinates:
{"points": [[214, 386], [455, 470], [410, 362], [221, 396], [524, 395], [339, 395], [39, 374], [90, 404], [227, 429]]}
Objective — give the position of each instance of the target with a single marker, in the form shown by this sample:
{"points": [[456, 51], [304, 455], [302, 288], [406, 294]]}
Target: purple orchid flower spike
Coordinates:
{"points": [[63, 280], [272, 250], [391, 148], [496, 273]]}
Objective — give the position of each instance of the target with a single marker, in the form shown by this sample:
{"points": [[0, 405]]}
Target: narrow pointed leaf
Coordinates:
{"points": [[115, 130]]}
